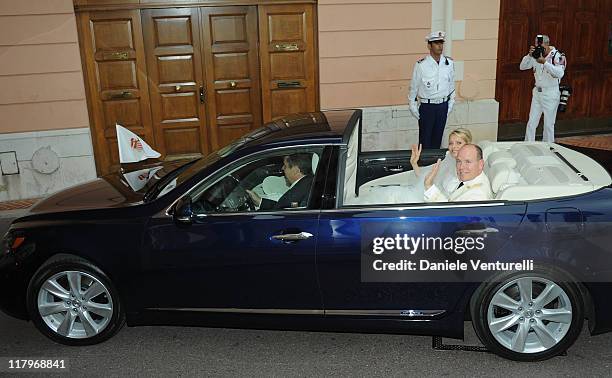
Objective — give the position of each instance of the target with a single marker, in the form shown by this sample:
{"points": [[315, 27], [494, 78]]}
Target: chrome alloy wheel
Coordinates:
{"points": [[529, 314], [75, 304]]}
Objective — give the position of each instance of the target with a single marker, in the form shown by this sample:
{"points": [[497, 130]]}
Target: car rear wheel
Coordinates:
{"points": [[530, 316], [73, 302]]}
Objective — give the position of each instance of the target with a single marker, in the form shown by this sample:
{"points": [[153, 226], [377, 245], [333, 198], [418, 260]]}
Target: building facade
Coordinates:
{"points": [[365, 49], [368, 50], [45, 140]]}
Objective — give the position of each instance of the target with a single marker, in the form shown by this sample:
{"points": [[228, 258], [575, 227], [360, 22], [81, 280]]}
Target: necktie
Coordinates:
{"points": [[460, 185]]}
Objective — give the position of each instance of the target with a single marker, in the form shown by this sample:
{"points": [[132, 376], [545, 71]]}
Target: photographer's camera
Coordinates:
{"points": [[539, 50]]}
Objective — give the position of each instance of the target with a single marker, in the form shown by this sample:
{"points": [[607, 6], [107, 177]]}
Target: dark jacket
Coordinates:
{"points": [[299, 194]]}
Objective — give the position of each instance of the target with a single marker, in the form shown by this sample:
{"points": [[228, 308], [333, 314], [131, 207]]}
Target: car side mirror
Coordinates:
{"points": [[183, 211]]}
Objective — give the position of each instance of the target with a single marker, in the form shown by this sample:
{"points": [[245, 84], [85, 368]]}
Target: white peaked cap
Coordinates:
{"points": [[435, 36]]}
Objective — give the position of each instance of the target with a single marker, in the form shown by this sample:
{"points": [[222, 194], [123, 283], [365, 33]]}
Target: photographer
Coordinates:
{"points": [[548, 66]]}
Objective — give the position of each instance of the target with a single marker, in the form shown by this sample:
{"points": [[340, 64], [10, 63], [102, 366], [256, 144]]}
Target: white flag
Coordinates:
{"points": [[138, 179], [132, 148]]}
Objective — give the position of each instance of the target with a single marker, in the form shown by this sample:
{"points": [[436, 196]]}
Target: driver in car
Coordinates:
{"points": [[297, 169]]}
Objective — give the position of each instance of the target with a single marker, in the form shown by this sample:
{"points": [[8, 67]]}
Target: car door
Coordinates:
{"points": [[345, 258], [236, 259]]}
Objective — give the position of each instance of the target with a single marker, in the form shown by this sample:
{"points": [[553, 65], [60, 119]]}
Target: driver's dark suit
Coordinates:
{"points": [[298, 193]]}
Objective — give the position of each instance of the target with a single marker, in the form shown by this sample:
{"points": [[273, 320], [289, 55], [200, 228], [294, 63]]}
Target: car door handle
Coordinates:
{"points": [[293, 237], [478, 231], [398, 168]]}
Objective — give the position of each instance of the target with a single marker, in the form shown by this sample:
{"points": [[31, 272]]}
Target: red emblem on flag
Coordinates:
{"points": [[136, 144]]}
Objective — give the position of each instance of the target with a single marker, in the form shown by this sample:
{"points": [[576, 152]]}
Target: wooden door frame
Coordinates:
{"points": [[148, 16], [96, 126], [98, 5], [85, 8]]}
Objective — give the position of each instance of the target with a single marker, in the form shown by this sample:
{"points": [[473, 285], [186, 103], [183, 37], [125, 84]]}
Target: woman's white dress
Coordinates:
{"points": [[408, 187]]}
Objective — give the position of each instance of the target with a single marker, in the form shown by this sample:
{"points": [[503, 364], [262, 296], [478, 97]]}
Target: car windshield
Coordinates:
{"points": [[188, 170]]}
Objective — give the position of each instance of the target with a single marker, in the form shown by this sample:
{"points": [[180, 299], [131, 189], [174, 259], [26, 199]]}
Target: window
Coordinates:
{"points": [[272, 181]]}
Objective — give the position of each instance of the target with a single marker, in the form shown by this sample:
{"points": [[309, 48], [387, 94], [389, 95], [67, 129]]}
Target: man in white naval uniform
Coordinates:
{"points": [[474, 184], [548, 71], [433, 88]]}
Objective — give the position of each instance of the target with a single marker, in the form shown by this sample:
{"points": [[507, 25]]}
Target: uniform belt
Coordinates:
{"points": [[540, 89], [440, 100]]}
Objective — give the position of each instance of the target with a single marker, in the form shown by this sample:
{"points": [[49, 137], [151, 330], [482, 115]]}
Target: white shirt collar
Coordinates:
{"points": [[475, 180], [431, 58]]}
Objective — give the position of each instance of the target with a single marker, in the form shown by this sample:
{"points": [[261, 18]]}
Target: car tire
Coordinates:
{"points": [[523, 327], [73, 302]]}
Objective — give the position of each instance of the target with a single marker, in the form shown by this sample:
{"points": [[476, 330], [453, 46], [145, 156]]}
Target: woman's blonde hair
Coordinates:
{"points": [[464, 134]]}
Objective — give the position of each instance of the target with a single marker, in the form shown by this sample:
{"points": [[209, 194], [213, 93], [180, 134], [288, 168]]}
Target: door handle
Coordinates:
{"points": [[288, 84], [124, 94], [293, 237], [286, 47], [398, 168], [202, 96], [479, 231]]}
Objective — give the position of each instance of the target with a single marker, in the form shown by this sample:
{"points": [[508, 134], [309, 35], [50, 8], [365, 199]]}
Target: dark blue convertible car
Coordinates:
{"points": [[191, 243]]}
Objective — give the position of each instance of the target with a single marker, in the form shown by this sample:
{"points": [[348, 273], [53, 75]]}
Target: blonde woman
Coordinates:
{"points": [[446, 179]]}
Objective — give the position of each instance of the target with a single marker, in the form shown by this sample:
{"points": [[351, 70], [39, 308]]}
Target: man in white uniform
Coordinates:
{"points": [[432, 91], [474, 184], [548, 70]]}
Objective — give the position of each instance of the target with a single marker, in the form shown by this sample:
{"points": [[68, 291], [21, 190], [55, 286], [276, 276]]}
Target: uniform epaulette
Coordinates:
{"points": [[477, 185], [422, 59]]}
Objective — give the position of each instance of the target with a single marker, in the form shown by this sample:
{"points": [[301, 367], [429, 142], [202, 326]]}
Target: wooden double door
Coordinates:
{"points": [[582, 29], [190, 80]]}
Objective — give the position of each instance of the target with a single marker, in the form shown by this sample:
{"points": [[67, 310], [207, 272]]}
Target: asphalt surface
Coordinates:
{"points": [[190, 351]]}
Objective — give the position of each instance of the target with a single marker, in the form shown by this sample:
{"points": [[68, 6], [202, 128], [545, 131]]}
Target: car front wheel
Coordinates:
{"points": [[530, 316], [73, 302]]}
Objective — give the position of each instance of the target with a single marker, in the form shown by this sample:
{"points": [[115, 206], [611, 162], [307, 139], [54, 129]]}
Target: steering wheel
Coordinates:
{"points": [[245, 198]]}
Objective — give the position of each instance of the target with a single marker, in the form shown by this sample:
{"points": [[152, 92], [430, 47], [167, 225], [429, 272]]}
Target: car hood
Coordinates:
{"points": [[120, 189]]}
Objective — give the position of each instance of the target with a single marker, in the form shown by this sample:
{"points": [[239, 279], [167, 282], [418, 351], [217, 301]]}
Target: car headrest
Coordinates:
{"points": [[487, 147], [501, 157], [502, 175], [315, 163]]}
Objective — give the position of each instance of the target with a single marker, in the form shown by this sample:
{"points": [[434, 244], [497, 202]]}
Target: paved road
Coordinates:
{"points": [[163, 351]]}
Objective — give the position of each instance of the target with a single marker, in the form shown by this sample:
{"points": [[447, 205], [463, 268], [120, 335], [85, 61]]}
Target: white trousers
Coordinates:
{"points": [[545, 102]]}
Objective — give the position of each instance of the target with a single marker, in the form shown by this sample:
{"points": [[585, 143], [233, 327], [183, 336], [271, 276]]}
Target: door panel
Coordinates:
{"points": [[601, 105], [512, 87], [172, 40], [230, 55], [579, 106], [287, 53], [116, 80], [231, 256], [231, 262], [343, 233], [513, 83], [583, 43]]}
